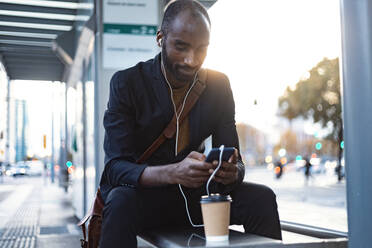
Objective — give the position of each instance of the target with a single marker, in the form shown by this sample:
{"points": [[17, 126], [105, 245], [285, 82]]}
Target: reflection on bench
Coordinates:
{"points": [[295, 236]]}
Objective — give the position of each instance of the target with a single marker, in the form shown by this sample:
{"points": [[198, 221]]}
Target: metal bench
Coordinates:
{"points": [[303, 236]]}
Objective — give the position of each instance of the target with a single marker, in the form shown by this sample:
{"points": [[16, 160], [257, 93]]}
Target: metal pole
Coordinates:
{"points": [[67, 147], [84, 140], [62, 153], [52, 143], [7, 144], [63, 126], [97, 74], [16, 119], [356, 20], [23, 131]]}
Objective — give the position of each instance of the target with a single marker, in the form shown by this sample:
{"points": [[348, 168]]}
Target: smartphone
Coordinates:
{"points": [[214, 154]]}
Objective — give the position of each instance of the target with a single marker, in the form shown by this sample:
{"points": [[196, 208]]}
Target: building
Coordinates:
{"points": [[20, 130], [3, 112], [254, 144]]}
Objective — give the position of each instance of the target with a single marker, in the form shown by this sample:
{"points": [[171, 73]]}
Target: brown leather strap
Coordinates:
{"points": [[170, 130], [96, 209], [83, 241], [82, 224], [98, 204]]}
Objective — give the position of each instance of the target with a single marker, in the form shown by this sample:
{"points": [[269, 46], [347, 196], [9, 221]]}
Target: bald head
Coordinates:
{"points": [[184, 40], [177, 7]]}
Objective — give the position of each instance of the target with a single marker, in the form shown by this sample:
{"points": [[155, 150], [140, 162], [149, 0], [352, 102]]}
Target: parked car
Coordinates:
{"points": [[20, 169], [7, 167], [36, 167]]}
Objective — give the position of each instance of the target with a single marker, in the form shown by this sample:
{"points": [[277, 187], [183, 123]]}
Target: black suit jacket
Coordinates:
{"points": [[139, 109]]}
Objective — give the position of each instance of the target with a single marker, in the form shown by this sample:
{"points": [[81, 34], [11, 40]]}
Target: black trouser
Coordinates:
{"points": [[128, 211]]}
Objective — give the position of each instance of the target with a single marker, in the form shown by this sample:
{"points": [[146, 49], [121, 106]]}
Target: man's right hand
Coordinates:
{"points": [[192, 172]]}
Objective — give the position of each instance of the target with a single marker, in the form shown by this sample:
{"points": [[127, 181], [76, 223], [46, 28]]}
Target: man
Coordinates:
{"points": [[141, 104], [307, 171]]}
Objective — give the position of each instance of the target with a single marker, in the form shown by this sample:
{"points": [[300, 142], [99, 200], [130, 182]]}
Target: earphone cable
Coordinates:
{"points": [[177, 132], [178, 115], [176, 146], [187, 208], [222, 147]]}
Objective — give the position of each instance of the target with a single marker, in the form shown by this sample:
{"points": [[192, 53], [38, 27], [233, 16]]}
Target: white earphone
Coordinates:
{"points": [[177, 132]]}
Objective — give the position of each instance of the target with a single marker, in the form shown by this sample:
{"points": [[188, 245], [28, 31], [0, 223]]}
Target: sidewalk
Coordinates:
{"points": [[36, 214], [39, 216]]}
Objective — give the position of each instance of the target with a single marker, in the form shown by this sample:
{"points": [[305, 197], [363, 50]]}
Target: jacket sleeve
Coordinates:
{"points": [[225, 132], [119, 124]]}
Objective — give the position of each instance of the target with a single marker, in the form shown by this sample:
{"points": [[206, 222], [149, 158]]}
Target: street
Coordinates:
{"points": [[321, 203]]}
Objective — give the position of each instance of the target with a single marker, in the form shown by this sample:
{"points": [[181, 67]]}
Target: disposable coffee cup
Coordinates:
{"points": [[216, 216]]}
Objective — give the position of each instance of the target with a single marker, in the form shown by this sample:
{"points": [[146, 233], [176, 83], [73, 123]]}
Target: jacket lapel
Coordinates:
{"points": [[161, 91]]}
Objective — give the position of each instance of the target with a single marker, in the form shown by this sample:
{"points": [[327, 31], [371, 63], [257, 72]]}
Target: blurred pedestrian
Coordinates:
{"points": [[339, 172], [278, 169], [2, 171], [307, 170]]}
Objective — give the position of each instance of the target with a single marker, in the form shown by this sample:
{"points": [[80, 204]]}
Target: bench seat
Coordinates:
{"points": [[194, 237]]}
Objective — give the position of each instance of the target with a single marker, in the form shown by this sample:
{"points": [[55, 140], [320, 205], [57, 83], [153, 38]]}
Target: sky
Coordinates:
{"points": [[262, 45], [266, 45]]}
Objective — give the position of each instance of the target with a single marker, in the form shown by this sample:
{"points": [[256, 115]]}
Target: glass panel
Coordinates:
{"points": [[282, 61]]}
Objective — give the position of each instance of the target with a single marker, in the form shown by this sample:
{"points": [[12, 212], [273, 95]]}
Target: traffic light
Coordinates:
{"points": [[44, 141], [68, 164], [318, 146], [342, 144]]}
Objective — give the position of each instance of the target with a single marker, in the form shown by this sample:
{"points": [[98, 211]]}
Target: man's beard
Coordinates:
{"points": [[173, 68]]}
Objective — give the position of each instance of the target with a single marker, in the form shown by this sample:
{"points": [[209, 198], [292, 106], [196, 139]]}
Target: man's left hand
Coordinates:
{"points": [[228, 173]]}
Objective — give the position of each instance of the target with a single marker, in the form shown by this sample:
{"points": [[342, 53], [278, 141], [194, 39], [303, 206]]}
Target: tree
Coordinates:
{"points": [[289, 141], [317, 97]]}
